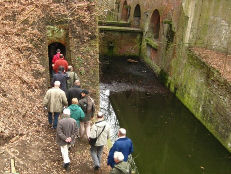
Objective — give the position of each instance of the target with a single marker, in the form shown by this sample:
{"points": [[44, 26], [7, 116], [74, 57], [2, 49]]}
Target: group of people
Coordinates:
{"points": [[70, 111]]}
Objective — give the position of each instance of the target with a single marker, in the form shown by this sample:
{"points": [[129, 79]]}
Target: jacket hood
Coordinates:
{"points": [[73, 107], [123, 166], [100, 123]]}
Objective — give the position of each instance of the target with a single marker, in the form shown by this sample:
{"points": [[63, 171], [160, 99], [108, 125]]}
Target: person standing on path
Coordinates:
{"points": [[101, 130], [123, 144], [60, 62], [56, 56], [76, 112], [74, 92], [72, 77], [121, 167], [62, 77], [66, 135], [54, 101], [88, 106]]}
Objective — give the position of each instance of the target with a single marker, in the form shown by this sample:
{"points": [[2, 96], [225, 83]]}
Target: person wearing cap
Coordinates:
{"points": [[74, 92], [56, 56], [88, 106], [72, 77], [60, 62], [121, 167], [101, 130], [66, 134], [123, 144], [54, 101]]}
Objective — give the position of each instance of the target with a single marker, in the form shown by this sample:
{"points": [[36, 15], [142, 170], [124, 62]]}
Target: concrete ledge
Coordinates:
{"points": [[120, 29], [114, 23]]}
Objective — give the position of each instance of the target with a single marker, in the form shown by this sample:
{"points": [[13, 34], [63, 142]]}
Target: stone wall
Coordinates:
{"points": [[120, 42], [183, 26]]}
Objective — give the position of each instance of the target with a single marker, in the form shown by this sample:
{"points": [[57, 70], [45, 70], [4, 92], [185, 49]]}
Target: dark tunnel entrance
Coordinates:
{"points": [[52, 51]]}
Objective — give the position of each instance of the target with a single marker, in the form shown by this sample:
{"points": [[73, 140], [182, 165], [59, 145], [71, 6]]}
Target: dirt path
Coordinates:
{"points": [[38, 153]]}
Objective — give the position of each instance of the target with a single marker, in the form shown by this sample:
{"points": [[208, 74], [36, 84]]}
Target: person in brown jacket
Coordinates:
{"points": [[54, 101], [66, 133]]}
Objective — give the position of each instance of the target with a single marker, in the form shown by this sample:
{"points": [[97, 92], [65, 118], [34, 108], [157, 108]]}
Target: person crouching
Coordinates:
{"points": [[66, 134]]}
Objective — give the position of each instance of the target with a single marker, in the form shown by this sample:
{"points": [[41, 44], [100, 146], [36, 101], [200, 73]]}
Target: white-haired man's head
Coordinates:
{"points": [[100, 115], [122, 132], [57, 83], [70, 68], [118, 156], [77, 82], [66, 113]]}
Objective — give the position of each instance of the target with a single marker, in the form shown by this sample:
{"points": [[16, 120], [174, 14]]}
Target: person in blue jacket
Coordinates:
{"points": [[123, 144]]}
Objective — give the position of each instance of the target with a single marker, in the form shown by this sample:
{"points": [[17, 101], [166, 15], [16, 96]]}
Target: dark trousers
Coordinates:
{"points": [[50, 118]]}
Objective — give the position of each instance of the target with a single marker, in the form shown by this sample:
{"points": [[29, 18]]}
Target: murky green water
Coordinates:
{"points": [[167, 138]]}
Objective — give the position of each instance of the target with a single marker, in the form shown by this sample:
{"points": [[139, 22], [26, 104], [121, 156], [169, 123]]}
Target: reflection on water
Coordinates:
{"points": [[166, 136]]}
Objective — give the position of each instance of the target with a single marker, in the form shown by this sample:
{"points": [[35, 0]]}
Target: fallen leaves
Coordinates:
{"points": [[23, 131], [219, 61]]}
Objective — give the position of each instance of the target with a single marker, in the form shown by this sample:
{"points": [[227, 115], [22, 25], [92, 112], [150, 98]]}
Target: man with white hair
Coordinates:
{"points": [[66, 133], [123, 144], [121, 167], [54, 101]]}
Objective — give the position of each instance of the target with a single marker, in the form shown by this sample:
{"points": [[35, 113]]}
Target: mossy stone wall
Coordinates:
{"points": [[120, 43], [199, 86]]}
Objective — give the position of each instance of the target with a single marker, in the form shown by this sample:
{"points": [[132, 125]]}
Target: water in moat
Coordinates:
{"points": [[167, 138]]}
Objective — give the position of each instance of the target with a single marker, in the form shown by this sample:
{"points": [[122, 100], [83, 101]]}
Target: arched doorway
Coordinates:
{"points": [[52, 51], [125, 11], [155, 23], [137, 16]]}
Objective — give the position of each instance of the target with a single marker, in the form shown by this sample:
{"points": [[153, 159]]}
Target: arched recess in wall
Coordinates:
{"points": [[125, 11], [155, 23], [52, 51], [137, 16]]}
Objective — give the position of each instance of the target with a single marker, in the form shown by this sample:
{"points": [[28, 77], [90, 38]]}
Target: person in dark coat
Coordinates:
{"points": [[66, 133], [123, 144], [74, 92], [62, 77]]}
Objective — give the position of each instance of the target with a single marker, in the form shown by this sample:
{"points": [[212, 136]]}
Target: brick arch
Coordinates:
{"points": [[137, 16], [52, 51], [155, 23], [125, 11]]}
